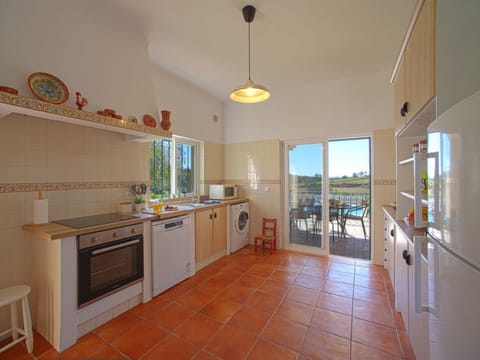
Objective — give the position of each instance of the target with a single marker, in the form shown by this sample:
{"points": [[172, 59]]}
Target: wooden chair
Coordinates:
{"points": [[269, 235]]}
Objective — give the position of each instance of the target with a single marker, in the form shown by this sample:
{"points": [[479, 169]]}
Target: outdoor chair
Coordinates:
{"points": [[352, 215]]}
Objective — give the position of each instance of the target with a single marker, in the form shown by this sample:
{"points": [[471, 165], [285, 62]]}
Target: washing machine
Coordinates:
{"points": [[239, 226]]}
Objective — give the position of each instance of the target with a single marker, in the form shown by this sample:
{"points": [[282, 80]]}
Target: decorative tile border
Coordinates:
{"points": [[32, 187], [388, 182], [38, 105]]}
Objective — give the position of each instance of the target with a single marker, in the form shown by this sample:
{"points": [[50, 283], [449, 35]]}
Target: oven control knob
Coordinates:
{"points": [[115, 235], [93, 239]]}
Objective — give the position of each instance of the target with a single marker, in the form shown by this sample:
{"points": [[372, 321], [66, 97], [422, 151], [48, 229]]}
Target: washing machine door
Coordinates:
{"points": [[241, 223]]}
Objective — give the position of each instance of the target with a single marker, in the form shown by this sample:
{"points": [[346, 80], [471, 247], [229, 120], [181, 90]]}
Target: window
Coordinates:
{"points": [[173, 167]]}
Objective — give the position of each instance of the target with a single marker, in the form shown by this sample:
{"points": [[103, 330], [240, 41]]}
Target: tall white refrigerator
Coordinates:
{"points": [[453, 237]]}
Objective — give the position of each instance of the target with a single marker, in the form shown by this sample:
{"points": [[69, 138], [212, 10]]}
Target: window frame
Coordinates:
{"points": [[196, 144]]}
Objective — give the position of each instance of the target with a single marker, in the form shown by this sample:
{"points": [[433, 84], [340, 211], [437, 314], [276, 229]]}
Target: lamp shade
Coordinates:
{"points": [[250, 93]]}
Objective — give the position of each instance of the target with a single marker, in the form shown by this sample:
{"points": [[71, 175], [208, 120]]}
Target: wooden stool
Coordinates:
{"points": [[269, 235], [10, 296]]}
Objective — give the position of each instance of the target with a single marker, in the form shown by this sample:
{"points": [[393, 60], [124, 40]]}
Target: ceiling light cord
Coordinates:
{"points": [[249, 78]]}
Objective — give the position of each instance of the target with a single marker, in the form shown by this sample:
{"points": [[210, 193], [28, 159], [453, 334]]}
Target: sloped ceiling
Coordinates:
{"points": [[294, 43]]}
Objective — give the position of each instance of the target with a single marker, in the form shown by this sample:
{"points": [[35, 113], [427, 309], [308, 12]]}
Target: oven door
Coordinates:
{"points": [[109, 267]]}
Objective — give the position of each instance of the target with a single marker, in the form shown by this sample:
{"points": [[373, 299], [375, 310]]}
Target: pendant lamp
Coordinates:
{"points": [[250, 92]]}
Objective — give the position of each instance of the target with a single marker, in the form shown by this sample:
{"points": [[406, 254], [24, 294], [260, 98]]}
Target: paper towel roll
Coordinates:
{"points": [[40, 211]]}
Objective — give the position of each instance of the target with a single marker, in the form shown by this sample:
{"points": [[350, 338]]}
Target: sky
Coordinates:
{"points": [[344, 157]]}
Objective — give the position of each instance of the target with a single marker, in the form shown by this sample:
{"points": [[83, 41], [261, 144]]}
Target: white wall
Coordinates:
{"points": [[338, 108], [193, 110], [91, 48]]}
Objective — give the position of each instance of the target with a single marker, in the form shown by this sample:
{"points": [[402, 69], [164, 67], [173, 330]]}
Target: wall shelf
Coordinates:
{"points": [[10, 103]]}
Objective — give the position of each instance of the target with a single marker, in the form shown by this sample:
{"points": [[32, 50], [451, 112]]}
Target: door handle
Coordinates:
{"points": [[404, 109]]}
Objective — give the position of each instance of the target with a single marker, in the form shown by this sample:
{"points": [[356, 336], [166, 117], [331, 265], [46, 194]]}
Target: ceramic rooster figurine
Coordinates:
{"points": [[81, 101]]}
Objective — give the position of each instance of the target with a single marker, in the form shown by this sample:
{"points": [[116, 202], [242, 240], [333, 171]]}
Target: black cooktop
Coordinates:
{"points": [[94, 220]]}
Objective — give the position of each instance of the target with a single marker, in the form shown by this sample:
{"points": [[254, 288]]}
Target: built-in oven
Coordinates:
{"points": [[109, 261]]}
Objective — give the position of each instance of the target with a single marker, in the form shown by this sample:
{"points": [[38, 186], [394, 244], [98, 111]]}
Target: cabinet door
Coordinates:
{"points": [[420, 60], [401, 276], [391, 250], [203, 235], [399, 91], [219, 229]]}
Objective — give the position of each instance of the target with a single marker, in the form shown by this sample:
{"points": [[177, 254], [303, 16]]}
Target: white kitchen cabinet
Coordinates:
{"points": [[389, 246], [402, 259]]}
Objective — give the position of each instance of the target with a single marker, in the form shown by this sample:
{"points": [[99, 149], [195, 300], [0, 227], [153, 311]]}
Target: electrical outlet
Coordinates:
{"points": [[127, 195]]}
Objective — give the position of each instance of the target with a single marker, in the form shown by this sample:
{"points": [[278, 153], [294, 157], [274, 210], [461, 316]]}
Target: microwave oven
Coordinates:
{"points": [[223, 192]]}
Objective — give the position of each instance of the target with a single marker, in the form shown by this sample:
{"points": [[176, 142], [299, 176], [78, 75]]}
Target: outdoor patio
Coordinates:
{"points": [[351, 245]]}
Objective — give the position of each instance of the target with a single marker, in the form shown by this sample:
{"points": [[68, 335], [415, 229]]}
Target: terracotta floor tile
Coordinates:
{"points": [[311, 282], [294, 268], [320, 261], [202, 355], [295, 311], [19, 352], [381, 314], [342, 277], [171, 316], [262, 270], [107, 352], [293, 258], [285, 333], [138, 340], [321, 345], [198, 329], [237, 293], [250, 281], [250, 319], [370, 295], [195, 299], [369, 283], [220, 310], [285, 276], [117, 326], [171, 347], [342, 267], [84, 348], [263, 301], [231, 343], [335, 303], [399, 323], [267, 350], [371, 272], [377, 336], [213, 287], [272, 287], [332, 322], [406, 346], [40, 345], [362, 352], [303, 295], [320, 272], [338, 288]]}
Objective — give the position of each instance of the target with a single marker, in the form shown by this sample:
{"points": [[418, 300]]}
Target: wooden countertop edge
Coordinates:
{"points": [[408, 231], [53, 231]]}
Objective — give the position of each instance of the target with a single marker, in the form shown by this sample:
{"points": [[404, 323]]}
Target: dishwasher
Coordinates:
{"points": [[172, 252]]}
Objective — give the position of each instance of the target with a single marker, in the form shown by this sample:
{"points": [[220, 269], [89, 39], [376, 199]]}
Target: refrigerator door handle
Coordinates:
{"points": [[419, 306]]}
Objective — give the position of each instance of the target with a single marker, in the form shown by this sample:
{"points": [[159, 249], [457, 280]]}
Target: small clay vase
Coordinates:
{"points": [[165, 123]]}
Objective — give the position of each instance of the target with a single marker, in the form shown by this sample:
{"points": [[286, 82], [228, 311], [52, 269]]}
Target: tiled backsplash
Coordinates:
{"points": [[82, 171]]}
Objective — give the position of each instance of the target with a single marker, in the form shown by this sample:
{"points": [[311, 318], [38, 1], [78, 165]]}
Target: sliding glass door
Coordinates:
{"points": [[327, 197], [304, 195]]}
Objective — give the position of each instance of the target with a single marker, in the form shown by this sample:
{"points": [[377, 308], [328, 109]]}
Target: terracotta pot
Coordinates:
{"points": [[165, 123]]}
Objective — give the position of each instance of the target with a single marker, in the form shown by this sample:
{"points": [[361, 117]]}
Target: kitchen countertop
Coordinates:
{"points": [[408, 231], [53, 231]]}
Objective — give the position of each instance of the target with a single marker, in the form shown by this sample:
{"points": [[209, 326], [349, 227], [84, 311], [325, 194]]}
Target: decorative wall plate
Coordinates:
{"points": [[149, 120], [9, 90], [48, 88]]}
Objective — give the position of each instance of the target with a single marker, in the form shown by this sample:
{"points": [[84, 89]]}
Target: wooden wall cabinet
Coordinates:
{"points": [[210, 233], [414, 79]]}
